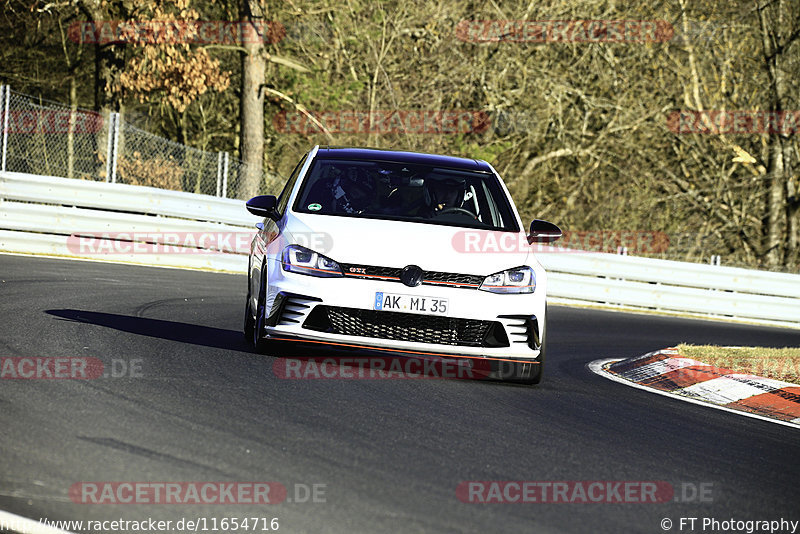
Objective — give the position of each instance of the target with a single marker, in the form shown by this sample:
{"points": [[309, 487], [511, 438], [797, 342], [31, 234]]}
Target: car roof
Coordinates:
{"points": [[376, 154]]}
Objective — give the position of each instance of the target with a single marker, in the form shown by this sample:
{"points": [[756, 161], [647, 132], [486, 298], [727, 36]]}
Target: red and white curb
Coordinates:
{"points": [[668, 373]]}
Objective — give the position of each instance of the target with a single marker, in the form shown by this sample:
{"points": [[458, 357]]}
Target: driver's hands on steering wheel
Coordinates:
{"points": [[453, 209]]}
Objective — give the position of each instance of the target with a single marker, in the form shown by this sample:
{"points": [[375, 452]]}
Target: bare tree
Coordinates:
{"points": [[254, 59], [779, 25]]}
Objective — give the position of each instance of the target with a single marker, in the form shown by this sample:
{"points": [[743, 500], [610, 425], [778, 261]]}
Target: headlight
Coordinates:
{"points": [[301, 260], [517, 280]]}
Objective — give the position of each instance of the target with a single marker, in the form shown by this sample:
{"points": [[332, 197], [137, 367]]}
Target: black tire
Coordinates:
{"points": [[255, 333], [540, 368], [259, 343], [249, 321]]}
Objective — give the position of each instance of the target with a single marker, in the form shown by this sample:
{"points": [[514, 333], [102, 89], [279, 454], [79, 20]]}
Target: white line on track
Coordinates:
{"points": [[598, 367], [117, 262]]}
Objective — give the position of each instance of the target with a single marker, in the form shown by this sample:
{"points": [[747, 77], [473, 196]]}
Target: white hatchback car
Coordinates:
{"points": [[399, 252]]}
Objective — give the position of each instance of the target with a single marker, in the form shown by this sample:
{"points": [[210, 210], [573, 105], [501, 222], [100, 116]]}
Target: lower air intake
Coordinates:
{"points": [[411, 327]]}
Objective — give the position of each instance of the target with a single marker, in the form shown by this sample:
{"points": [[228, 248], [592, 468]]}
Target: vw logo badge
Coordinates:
{"points": [[411, 275]]}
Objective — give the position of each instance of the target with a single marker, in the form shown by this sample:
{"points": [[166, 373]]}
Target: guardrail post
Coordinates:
{"points": [[5, 97], [225, 176], [219, 174], [110, 145], [115, 149]]}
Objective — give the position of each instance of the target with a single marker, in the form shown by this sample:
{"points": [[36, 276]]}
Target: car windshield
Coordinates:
{"points": [[407, 192]]}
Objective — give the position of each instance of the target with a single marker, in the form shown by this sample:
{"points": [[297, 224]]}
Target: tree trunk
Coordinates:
{"points": [[776, 203], [793, 230], [109, 58], [109, 63], [774, 19], [252, 105]]}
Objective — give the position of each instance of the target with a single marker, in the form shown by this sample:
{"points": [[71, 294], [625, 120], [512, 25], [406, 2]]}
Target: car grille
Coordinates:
{"points": [[468, 280], [392, 274], [411, 327]]}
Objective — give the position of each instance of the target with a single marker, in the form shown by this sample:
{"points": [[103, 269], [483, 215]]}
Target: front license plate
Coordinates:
{"points": [[410, 303]]}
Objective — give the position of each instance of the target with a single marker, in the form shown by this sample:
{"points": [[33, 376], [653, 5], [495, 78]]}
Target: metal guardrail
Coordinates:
{"points": [[673, 286], [121, 197], [675, 273], [55, 245], [48, 215], [39, 213]]}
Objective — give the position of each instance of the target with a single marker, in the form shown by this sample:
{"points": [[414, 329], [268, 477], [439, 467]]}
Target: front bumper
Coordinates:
{"points": [[338, 312]]}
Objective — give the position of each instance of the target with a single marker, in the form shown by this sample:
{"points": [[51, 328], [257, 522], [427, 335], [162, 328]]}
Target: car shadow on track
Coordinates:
{"points": [[207, 336], [308, 360]]}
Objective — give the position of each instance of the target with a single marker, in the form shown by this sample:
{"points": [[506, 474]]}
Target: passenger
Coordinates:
{"points": [[342, 190]]}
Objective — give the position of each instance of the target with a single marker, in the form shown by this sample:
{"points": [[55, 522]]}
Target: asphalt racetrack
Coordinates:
{"points": [[386, 455]]}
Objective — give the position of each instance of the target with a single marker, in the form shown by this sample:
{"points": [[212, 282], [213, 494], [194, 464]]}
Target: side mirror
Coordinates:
{"points": [[543, 232], [263, 206]]}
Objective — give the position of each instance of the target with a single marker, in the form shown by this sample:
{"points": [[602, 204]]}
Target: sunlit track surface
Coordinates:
{"points": [[390, 452]]}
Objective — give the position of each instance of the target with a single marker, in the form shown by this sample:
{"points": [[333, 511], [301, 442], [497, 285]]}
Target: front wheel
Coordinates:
{"points": [[254, 326], [259, 343], [249, 321], [537, 376]]}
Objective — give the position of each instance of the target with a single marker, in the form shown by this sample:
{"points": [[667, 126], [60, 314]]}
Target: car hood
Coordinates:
{"points": [[400, 243]]}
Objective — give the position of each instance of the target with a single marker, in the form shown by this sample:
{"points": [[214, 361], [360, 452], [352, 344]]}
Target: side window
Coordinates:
{"points": [[283, 199]]}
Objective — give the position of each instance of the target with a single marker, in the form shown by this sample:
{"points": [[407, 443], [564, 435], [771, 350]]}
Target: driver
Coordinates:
{"points": [[441, 195]]}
